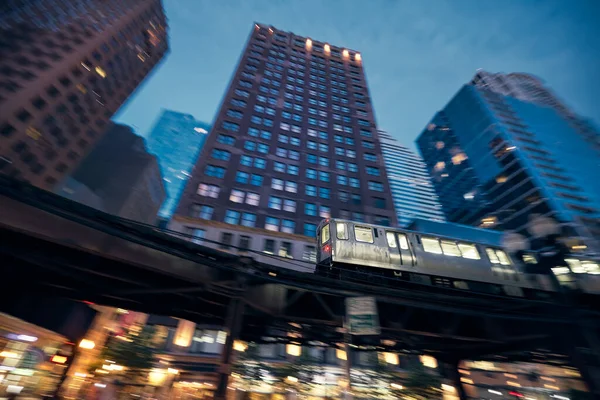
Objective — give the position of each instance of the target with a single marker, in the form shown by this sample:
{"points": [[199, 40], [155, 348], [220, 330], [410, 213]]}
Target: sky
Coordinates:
{"points": [[416, 53]]}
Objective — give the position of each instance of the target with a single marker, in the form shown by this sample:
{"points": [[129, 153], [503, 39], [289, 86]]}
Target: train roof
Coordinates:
{"points": [[460, 232]]}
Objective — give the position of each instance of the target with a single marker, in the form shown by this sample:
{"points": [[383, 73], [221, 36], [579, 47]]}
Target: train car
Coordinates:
{"points": [[355, 250]]}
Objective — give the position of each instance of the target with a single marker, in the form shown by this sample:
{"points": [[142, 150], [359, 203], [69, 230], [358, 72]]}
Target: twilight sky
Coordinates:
{"points": [[416, 53]]}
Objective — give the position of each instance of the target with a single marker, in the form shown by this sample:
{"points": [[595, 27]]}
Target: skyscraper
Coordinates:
{"points": [[119, 177], [66, 67], [294, 141], [410, 183], [504, 148], [176, 139]]}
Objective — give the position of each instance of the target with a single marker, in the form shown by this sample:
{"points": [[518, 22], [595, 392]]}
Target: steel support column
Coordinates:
{"points": [[450, 371], [234, 323]]}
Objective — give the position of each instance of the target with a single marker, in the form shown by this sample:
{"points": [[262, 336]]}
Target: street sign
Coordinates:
{"points": [[362, 316]]}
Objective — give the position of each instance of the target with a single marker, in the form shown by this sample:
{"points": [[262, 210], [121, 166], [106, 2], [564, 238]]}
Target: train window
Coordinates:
{"points": [[450, 249], [403, 242], [530, 259], [391, 239], [363, 234], [497, 256], [591, 267], [492, 256], [325, 234], [431, 245], [341, 230], [504, 260], [469, 251]]}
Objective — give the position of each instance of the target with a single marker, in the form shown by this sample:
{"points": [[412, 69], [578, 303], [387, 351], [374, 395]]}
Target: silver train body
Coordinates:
{"points": [[346, 246]]}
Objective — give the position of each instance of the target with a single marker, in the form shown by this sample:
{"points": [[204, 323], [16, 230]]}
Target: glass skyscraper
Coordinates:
{"points": [[410, 183], [506, 147], [176, 139]]}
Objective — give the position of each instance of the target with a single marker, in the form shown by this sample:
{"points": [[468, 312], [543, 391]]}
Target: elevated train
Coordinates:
{"points": [[355, 250], [378, 254]]}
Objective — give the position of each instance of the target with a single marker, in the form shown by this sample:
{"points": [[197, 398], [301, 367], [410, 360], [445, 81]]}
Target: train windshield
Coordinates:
{"points": [[325, 234]]}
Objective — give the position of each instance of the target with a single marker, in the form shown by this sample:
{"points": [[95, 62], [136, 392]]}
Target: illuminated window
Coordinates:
{"points": [[431, 245], [501, 179], [345, 53], [363, 234], [237, 196], [252, 199], [469, 251], [439, 145], [458, 158], [391, 239], [403, 241], [440, 165], [450, 249], [341, 230], [208, 190]]}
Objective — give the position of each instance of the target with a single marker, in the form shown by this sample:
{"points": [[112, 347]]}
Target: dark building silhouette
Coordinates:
{"points": [[294, 141], [65, 68], [119, 177]]}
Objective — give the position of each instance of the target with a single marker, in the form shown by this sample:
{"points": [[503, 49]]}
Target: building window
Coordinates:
{"points": [[197, 235], [310, 209], [269, 246], [370, 157], [325, 212], [212, 170], [379, 202], [279, 167], [311, 190], [285, 250], [256, 180], [373, 171], [342, 180], [200, 211], [232, 217], [310, 252], [289, 205], [293, 169], [219, 154], [225, 139], [263, 148], [260, 163], [249, 219], [376, 186], [275, 202], [244, 243], [272, 224], [252, 199], [208, 190], [368, 145], [237, 196], [310, 230], [311, 158], [226, 239], [277, 184], [242, 177], [311, 174], [230, 126], [246, 161], [288, 226], [291, 187], [354, 182], [382, 220]]}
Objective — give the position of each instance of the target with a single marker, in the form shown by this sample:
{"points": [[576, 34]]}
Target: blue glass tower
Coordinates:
{"points": [[176, 139], [506, 147]]}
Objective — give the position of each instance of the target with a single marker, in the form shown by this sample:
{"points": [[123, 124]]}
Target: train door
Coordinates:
{"points": [[400, 253]]}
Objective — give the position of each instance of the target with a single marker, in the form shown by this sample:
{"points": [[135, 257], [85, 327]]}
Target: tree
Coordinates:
{"points": [[134, 351]]}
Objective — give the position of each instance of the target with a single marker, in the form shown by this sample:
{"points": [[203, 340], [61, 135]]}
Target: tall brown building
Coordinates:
{"points": [[294, 141], [65, 68]]}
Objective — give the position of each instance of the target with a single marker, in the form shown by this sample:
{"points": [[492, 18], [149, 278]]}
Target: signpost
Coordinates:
{"points": [[362, 316]]}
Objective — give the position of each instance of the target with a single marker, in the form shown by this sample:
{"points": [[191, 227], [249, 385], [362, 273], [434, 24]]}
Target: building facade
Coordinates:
{"points": [[65, 69], [176, 139], [294, 141], [410, 183], [498, 156], [121, 176]]}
